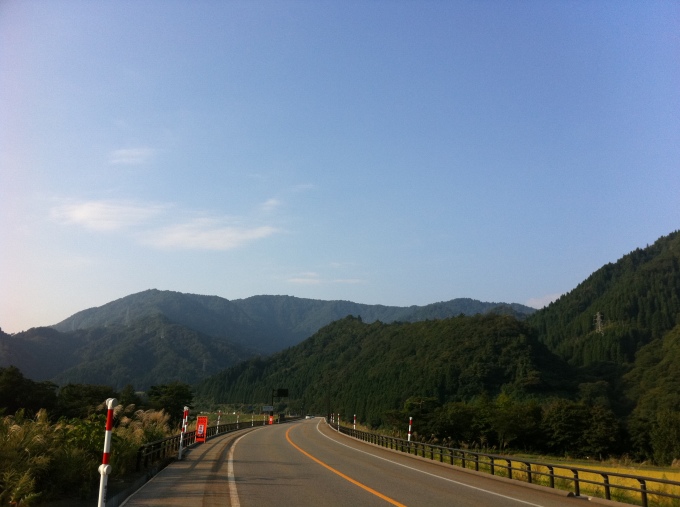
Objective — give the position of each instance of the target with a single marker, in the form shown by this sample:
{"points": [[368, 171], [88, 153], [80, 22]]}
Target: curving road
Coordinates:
{"points": [[307, 463]]}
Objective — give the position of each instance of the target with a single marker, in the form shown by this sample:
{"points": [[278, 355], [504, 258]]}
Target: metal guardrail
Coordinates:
{"points": [[533, 472], [166, 449]]}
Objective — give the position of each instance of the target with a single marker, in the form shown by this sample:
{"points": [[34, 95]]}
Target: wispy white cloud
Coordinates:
{"points": [[131, 156], [206, 234], [270, 205], [542, 301], [155, 225], [106, 215]]}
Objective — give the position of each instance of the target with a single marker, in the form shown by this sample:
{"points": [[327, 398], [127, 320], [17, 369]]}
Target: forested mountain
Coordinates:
{"points": [[369, 369], [596, 372], [147, 351], [637, 299], [161, 336], [264, 323]]}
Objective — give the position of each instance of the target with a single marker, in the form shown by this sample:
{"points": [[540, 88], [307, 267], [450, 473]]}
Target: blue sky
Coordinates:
{"points": [[383, 152]]}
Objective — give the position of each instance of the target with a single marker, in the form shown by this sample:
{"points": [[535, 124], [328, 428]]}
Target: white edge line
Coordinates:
{"points": [[233, 493], [230, 472], [427, 473]]}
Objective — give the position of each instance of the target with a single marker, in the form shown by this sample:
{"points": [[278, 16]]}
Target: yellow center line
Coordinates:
{"points": [[356, 483]]}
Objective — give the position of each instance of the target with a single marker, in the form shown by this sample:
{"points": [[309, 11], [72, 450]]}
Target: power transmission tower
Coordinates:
{"points": [[599, 323]]}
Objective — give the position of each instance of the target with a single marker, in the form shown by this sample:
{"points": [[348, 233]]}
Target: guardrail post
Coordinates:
{"points": [[493, 469], [577, 485], [552, 476], [643, 491], [509, 468], [529, 478], [607, 489]]}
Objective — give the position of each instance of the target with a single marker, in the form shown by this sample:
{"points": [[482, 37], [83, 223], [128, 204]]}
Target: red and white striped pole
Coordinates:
{"points": [[355, 421], [410, 422], [184, 429], [219, 414], [338, 421], [105, 468]]}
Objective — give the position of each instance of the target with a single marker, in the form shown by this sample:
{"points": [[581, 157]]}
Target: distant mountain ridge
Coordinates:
{"points": [[266, 323], [159, 336], [148, 351]]}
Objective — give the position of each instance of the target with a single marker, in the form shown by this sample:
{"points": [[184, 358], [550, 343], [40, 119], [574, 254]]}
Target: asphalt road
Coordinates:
{"points": [[307, 463]]}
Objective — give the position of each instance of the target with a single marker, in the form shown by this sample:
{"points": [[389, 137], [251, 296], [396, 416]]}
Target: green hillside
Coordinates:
{"points": [[596, 372], [637, 298], [369, 369], [148, 351], [263, 323]]}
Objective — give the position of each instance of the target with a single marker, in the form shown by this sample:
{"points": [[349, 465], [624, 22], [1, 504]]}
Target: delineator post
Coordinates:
{"points": [[184, 430], [105, 468]]}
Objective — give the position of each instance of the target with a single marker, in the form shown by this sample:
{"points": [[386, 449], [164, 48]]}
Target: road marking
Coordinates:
{"points": [[347, 478], [427, 473], [233, 494]]}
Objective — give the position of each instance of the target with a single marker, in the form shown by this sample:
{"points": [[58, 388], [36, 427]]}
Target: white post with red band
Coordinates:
{"points": [[219, 414], [105, 468], [410, 422], [355, 421], [184, 429]]}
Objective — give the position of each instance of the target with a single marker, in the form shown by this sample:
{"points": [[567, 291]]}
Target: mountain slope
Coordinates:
{"points": [[148, 351], [369, 369], [637, 298], [210, 315], [264, 323]]}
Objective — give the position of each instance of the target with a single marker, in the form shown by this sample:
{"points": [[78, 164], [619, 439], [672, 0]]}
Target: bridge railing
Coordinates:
{"points": [[605, 484], [152, 453]]}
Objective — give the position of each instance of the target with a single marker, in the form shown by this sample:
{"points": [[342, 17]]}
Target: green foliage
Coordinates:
{"points": [[639, 297], [665, 437], [81, 400], [370, 369], [172, 398], [18, 392], [41, 460]]}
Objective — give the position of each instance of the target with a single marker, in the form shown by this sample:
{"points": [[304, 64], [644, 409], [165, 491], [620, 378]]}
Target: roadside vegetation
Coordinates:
{"points": [[55, 454]]}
